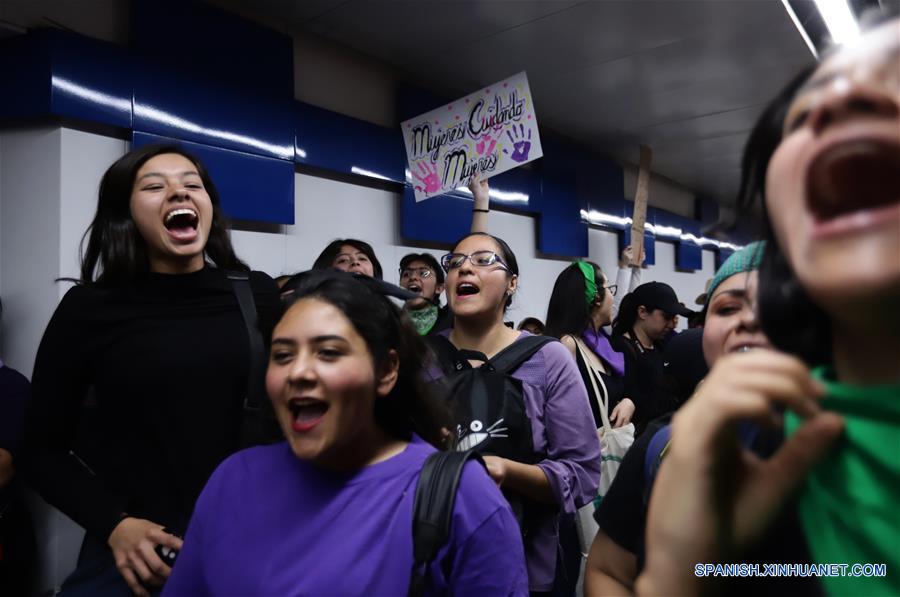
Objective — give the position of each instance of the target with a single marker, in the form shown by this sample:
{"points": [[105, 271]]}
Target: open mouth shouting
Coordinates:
{"points": [[464, 290], [854, 184], [416, 288], [182, 224], [306, 413]]}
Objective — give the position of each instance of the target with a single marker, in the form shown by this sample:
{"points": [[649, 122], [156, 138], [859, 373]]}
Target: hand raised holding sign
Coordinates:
{"points": [[428, 177], [521, 145]]}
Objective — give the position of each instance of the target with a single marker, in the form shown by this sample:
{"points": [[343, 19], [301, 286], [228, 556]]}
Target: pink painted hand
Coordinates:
{"points": [[486, 145], [428, 177]]}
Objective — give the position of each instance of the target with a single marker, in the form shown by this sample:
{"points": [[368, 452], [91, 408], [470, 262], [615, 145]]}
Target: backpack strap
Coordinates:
{"points": [[656, 451], [433, 510], [240, 281], [518, 352], [444, 352]]}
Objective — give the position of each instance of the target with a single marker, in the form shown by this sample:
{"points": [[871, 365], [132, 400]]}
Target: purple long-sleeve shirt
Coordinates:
{"points": [[562, 425], [268, 523]]}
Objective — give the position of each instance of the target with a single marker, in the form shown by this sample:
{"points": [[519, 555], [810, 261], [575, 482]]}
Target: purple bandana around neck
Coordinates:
{"points": [[599, 343]]}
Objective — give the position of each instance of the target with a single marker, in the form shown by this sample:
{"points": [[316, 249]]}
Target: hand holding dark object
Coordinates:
{"points": [[713, 497], [168, 554], [134, 543]]}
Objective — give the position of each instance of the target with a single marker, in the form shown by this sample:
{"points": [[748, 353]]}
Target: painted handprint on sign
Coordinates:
{"points": [[521, 144], [486, 145], [485, 133], [428, 177]]}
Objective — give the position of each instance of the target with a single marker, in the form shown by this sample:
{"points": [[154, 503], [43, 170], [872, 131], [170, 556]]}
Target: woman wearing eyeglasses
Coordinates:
{"points": [[421, 274], [580, 306], [482, 277]]}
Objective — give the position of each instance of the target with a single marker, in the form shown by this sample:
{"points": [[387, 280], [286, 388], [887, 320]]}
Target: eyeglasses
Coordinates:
{"points": [[422, 272], [612, 288], [478, 258]]}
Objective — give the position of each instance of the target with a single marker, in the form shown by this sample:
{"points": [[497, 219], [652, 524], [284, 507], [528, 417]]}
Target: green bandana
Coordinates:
{"points": [[590, 283], [850, 502], [746, 259], [423, 319]]}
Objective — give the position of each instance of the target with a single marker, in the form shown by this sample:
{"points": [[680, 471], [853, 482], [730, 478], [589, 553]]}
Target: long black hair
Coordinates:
{"points": [[789, 318], [568, 312], [506, 253], [410, 407], [326, 258], [627, 315], [116, 252]]}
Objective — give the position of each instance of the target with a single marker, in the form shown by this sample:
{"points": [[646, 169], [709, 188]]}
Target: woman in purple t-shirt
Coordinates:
{"points": [[330, 510]]}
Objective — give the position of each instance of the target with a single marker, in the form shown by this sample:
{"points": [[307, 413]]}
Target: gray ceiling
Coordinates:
{"points": [[686, 77]]}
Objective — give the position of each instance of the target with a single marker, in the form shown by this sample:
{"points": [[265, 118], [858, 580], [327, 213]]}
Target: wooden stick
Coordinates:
{"points": [[639, 217]]}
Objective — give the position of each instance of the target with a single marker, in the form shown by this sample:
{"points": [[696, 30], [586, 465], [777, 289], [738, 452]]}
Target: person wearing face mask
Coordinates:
{"points": [[148, 355], [646, 317], [421, 274], [544, 452], [829, 180], [349, 255], [731, 326]]}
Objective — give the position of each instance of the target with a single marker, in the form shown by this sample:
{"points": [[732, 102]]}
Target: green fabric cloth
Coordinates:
{"points": [[850, 503], [424, 319], [746, 259], [590, 282]]}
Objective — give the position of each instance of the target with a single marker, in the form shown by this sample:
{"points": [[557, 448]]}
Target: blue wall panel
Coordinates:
{"points": [[174, 104], [441, 219], [343, 144], [559, 233], [228, 94], [50, 72], [91, 80], [251, 187], [689, 254]]}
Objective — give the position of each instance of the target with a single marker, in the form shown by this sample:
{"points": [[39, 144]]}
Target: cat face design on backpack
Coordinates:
{"points": [[476, 434]]}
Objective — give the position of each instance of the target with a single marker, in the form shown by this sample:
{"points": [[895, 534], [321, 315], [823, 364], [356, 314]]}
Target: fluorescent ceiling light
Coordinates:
{"points": [[840, 21], [803, 34]]}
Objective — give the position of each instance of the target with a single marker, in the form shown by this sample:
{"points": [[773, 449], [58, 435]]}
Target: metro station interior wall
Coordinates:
{"points": [[328, 209], [48, 191]]}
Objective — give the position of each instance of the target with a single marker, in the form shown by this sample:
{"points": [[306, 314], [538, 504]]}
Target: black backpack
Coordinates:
{"points": [[489, 409], [433, 511]]}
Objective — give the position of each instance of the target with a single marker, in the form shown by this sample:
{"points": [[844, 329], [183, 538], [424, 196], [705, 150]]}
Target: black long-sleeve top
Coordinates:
{"points": [[137, 395]]}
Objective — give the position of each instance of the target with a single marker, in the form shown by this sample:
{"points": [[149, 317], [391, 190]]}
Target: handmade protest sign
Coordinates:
{"points": [[487, 132]]}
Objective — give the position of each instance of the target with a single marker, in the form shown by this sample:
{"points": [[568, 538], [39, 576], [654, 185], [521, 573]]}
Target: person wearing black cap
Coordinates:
{"points": [[421, 275], [646, 316]]}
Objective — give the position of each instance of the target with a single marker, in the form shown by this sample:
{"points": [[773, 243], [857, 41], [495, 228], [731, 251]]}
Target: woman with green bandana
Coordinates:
{"points": [[580, 306], [829, 290]]}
